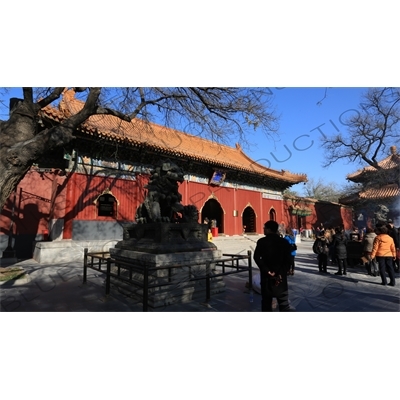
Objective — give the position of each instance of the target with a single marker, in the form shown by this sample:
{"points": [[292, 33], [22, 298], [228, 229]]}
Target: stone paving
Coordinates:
{"points": [[59, 288]]}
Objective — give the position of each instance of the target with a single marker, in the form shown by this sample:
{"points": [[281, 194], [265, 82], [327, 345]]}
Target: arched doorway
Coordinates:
{"points": [[213, 211], [272, 215], [249, 220]]}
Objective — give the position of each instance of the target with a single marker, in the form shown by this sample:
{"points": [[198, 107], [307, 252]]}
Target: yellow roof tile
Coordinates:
{"points": [[392, 161], [373, 193], [384, 192], [139, 133]]}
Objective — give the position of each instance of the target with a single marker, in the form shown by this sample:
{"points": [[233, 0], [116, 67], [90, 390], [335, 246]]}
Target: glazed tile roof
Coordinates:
{"points": [[392, 161], [385, 192], [377, 192], [137, 133]]}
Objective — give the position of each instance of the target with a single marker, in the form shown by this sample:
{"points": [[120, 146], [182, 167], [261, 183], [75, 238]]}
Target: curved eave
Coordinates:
{"points": [[279, 177], [388, 163], [243, 164]]}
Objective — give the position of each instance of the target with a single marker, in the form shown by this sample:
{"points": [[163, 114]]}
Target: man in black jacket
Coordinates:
{"points": [[321, 248], [394, 234], [273, 256]]}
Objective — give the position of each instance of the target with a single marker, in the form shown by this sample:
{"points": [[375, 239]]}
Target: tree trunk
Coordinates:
{"points": [[22, 142]]}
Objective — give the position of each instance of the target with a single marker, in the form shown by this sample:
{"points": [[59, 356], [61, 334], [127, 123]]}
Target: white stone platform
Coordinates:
{"points": [[66, 250]]}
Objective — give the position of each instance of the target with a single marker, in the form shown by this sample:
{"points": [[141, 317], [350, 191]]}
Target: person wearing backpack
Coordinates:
{"points": [[292, 241], [321, 248]]}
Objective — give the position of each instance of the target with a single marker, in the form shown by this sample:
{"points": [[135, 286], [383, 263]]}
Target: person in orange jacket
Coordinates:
{"points": [[384, 251]]}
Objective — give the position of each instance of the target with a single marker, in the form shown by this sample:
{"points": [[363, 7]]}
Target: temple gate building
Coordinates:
{"points": [[379, 196], [85, 192]]}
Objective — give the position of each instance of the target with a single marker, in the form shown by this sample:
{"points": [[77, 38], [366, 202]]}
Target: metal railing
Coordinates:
{"points": [[102, 262]]}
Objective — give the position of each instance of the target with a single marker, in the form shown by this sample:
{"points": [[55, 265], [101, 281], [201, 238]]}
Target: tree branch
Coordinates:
{"points": [[115, 113], [156, 101], [88, 109], [54, 95], [369, 131], [28, 94]]}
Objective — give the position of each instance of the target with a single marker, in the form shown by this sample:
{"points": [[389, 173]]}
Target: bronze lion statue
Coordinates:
{"points": [[163, 200]]}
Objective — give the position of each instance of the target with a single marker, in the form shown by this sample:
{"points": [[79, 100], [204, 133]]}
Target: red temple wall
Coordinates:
{"points": [[43, 197]]}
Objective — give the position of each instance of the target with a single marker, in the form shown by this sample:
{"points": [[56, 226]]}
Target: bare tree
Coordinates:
{"points": [[214, 112], [371, 130], [320, 190], [291, 193]]}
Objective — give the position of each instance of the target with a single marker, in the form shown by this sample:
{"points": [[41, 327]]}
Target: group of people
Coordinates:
{"points": [[275, 257], [380, 250], [331, 243]]}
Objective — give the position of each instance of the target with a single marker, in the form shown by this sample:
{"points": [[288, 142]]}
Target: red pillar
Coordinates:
{"points": [[69, 205]]}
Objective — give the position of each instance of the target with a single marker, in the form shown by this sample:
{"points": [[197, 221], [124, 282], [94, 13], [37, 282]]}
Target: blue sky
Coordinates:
{"points": [[303, 123]]}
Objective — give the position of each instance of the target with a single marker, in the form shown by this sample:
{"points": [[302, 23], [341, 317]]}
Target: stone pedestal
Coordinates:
{"points": [[180, 289], [159, 245]]}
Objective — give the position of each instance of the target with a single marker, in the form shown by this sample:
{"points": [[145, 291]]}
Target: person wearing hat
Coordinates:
{"points": [[321, 248]]}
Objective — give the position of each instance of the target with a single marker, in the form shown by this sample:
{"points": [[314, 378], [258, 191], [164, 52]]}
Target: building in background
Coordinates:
{"points": [[379, 196], [86, 192]]}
